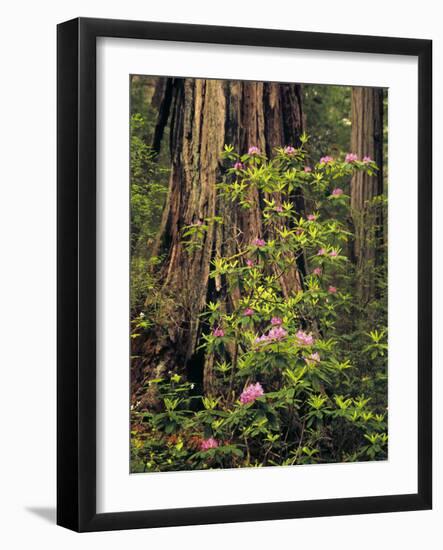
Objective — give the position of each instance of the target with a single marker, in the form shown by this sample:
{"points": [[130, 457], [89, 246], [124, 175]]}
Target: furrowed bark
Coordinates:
{"points": [[206, 115], [366, 140]]}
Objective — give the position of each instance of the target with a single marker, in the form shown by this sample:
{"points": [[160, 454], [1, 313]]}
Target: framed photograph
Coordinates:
{"points": [[244, 274]]}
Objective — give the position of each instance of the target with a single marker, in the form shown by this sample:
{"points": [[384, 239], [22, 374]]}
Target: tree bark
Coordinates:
{"points": [[206, 115], [366, 140]]}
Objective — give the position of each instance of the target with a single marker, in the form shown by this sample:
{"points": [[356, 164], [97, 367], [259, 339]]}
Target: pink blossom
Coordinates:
{"points": [[251, 392], [312, 359], [304, 339], [238, 166], [218, 332], [289, 150], [248, 312], [332, 289], [312, 217], [321, 252], [333, 253], [253, 150], [276, 321], [337, 192], [326, 160], [279, 209], [307, 169], [250, 263], [275, 334], [367, 159], [259, 242], [317, 271], [210, 443], [351, 157], [199, 222], [299, 231], [278, 333]]}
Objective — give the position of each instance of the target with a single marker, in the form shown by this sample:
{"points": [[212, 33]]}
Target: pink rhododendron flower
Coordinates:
{"points": [[367, 159], [238, 166], [312, 359], [276, 321], [321, 252], [317, 271], [332, 289], [312, 217], [351, 157], [304, 339], [333, 253], [337, 192], [279, 208], [289, 150], [210, 443], [259, 242], [307, 169], [218, 332], [253, 150], [250, 263], [277, 333], [326, 160], [248, 312], [251, 393]]}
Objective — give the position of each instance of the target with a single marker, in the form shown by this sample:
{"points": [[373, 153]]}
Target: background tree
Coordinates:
{"points": [[367, 141]]}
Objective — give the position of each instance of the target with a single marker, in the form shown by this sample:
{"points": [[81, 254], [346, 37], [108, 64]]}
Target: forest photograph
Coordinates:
{"points": [[258, 274]]}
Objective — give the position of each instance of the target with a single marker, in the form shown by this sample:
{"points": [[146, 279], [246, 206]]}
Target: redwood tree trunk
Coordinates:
{"points": [[204, 116], [367, 140]]}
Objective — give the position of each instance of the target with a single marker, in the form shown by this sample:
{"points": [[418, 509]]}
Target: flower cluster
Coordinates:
{"points": [[251, 392], [304, 339], [351, 157], [209, 443], [274, 335], [278, 333], [253, 150], [312, 359], [218, 332], [289, 150], [259, 242], [326, 160]]}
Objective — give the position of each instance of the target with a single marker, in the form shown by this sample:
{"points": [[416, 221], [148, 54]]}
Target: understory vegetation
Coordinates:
{"points": [[297, 359]]}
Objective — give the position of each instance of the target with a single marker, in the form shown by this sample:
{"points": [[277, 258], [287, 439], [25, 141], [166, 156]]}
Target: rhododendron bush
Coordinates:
{"points": [[298, 367]]}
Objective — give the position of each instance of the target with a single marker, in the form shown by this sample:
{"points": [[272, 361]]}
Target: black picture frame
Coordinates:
{"points": [[76, 265]]}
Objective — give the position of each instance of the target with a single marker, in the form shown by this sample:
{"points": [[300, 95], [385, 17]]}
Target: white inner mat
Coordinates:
{"points": [[117, 490]]}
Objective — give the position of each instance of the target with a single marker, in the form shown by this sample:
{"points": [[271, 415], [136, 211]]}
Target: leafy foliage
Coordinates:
{"points": [[148, 193], [299, 375]]}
